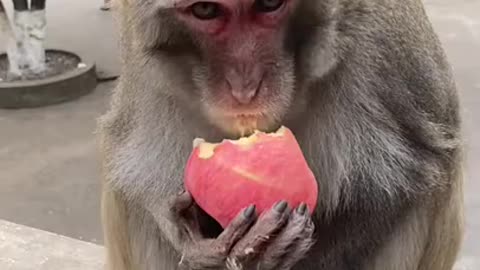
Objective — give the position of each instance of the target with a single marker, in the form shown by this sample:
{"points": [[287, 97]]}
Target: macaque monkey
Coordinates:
{"points": [[364, 85]]}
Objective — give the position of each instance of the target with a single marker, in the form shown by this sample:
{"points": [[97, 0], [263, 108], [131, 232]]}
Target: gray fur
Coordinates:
{"points": [[375, 110]]}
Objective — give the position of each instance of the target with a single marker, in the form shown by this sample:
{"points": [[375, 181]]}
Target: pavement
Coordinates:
{"points": [[49, 169], [458, 24]]}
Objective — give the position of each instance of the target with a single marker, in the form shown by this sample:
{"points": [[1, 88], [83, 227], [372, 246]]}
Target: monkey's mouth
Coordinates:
{"points": [[245, 124], [243, 115], [241, 122], [247, 116]]}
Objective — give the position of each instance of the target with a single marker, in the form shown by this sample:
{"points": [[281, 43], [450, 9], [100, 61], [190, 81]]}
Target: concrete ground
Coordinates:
{"points": [[48, 168]]}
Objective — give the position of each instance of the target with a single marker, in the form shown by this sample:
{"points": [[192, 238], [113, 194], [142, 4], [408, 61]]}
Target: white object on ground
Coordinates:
{"points": [[36, 33], [30, 30], [8, 37]]}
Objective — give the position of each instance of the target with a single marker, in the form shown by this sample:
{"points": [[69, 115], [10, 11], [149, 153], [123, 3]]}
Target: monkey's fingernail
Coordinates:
{"points": [[248, 213], [281, 206], [181, 192], [302, 209]]}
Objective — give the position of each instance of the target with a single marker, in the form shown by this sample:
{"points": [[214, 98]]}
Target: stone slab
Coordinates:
{"points": [[25, 248]]}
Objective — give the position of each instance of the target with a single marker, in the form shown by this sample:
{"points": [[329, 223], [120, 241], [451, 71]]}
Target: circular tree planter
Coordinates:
{"points": [[68, 77]]}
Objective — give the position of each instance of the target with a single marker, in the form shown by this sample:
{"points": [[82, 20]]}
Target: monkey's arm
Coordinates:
{"points": [[389, 155], [143, 153], [374, 211], [388, 139]]}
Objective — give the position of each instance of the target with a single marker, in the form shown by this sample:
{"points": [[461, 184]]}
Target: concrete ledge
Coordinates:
{"points": [[24, 248]]}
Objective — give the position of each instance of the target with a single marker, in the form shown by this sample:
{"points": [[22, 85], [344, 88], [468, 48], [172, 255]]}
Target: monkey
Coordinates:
{"points": [[364, 85]]}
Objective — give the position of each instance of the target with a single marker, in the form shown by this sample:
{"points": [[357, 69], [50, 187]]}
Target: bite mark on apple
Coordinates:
{"points": [[206, 150], [279, 133], [246, 141]]}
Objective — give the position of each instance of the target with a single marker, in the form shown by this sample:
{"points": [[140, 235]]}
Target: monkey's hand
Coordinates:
{"points": [[197, 251], [278, 239]]}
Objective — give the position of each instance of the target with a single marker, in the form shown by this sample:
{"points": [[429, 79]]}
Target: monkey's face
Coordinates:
{"points": [[244, 74]]}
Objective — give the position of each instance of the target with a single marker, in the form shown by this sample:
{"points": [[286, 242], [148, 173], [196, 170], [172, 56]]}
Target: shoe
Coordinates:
{"points": [[106, 6]]}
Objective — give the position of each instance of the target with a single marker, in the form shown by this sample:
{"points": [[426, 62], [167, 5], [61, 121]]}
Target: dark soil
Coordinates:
{"points": [[56, 64]]}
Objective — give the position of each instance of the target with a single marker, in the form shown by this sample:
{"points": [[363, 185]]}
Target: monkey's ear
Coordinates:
{"points": [[122, 4], [157, 3], [151, 24], [160, 30], [313, 37], [327, 55]]}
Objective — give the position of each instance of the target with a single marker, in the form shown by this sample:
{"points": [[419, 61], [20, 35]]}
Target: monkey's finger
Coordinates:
{"points": [[183, 211], [261, 233], [182, 202], [211, 254], [203, 255], [292, 243], [298, 251], [237, 228], [190, 221]]}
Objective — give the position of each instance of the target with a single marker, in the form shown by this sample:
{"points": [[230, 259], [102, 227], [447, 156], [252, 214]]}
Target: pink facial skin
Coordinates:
{"points": [[243, 43], [236, 15]]}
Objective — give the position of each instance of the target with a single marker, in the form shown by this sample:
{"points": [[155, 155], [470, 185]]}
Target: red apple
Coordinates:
{"points": [[261, 169]]}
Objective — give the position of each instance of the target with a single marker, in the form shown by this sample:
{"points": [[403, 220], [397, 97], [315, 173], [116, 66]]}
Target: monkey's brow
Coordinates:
{"points": [[174, 3], [166, 3]]}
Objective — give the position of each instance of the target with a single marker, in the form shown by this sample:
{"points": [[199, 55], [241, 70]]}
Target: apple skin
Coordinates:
{"points": [[262, 169]]}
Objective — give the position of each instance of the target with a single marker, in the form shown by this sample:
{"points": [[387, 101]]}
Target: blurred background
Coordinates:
{"points": [[49, 174]]}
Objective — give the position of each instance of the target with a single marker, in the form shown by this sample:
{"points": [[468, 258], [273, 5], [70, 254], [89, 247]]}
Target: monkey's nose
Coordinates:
{"points": [[244, 88], [244, 96]]}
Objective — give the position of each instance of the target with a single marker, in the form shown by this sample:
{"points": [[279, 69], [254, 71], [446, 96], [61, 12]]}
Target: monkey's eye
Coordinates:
{"points": [[206, 10], [268, 5]]}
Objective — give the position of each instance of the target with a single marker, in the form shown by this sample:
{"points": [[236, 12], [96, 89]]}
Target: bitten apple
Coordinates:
{"points": [[261, 169]]}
